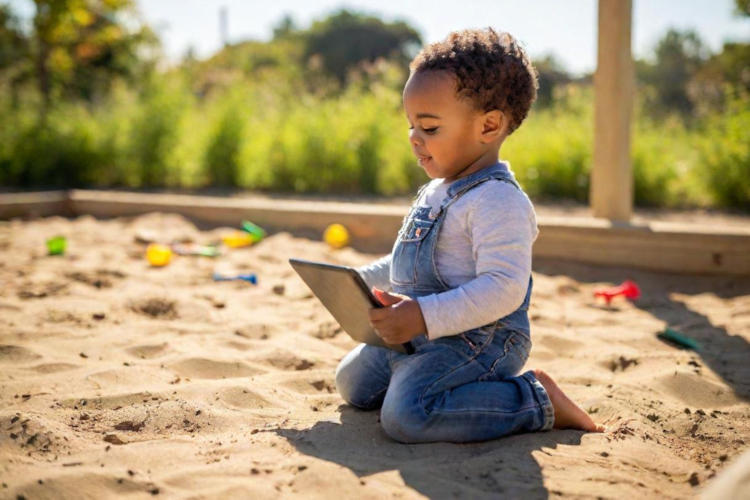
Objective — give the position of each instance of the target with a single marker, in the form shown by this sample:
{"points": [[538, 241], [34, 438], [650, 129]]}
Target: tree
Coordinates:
{"points": [[678, 56], [345, 40], [14, 51], [285, 27], [742, 7], [13, 43], [551, 74], [80, 46], [722, 75]]}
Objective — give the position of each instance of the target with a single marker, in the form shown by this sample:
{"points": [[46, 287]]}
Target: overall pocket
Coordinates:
{"points": [[406, 250]]}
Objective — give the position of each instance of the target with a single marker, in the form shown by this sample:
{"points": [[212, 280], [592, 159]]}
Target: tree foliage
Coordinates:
{"points": [[323, 59], [721, 75], [678, 56], [686, 79], [13, 43], [318, 109], [743, 7], [551, 75], [345, 40], [76, 48]]}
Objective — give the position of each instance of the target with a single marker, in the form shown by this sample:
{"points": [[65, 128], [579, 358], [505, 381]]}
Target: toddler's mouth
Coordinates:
{"points": [[423, 159]]}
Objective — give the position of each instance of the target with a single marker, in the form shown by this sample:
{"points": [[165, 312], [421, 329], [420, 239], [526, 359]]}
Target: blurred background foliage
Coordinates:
{"points": [[86, 101]]}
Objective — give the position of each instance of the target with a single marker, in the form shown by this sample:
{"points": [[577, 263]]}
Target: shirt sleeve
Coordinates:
{"points": [[378, 273], [502, 232]]}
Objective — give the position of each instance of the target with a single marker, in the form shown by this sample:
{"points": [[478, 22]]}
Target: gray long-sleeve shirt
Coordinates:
{"points": [[483, 254]]}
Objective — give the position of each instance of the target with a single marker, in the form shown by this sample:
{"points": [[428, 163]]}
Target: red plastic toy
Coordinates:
{"points": [[628, 289]]}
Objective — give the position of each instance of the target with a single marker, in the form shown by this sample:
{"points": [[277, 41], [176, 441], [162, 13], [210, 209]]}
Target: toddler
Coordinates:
{"points": [[457, 283]]}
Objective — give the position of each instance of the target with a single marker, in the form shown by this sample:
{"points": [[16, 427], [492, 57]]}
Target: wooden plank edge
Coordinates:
{"points": [[661, 246], [34, 204]]}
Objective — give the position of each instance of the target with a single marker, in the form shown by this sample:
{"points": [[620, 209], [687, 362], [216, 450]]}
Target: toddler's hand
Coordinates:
{"points": [[400, 320]]}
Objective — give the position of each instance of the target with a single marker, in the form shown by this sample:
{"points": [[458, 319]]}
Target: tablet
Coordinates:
{"points": [[346, 296]]}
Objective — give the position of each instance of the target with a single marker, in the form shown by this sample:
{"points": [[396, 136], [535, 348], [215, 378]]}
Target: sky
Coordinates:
{"points": [[563, 28]]}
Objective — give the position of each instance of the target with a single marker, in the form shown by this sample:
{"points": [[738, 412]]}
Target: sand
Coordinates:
{"points": [[121, 379]]}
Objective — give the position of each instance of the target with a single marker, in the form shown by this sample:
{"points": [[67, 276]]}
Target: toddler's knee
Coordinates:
{"points": [[353, 387], [343, 381], [402, 423]]}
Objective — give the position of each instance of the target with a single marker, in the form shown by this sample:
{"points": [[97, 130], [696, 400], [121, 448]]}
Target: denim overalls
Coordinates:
{"points": [[457, 388]]}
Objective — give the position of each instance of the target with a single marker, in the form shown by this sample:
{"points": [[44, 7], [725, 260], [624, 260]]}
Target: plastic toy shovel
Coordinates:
{"points": [[679, 338], [628, 289], [250, 277], [191, 249]]}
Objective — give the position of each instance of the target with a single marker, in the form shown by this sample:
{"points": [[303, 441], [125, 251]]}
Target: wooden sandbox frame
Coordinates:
{"points": [[659, 246]]}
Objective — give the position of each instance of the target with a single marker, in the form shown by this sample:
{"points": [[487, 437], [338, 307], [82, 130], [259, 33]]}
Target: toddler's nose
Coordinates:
{"points": [[414, 138]]}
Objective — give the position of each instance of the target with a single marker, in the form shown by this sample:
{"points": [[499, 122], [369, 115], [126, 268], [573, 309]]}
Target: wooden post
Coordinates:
{"points": [[614, 81]]}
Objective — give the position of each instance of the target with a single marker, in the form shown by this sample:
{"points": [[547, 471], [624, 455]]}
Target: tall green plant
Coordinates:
{"points": [[551, 152], [662, 163], [222, 156], [154, 135], [725, 153], [61, 151]]}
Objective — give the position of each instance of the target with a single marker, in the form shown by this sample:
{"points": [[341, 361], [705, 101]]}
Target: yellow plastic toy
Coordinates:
{"points": [[336, 236], [158, 255], [238, 239]]}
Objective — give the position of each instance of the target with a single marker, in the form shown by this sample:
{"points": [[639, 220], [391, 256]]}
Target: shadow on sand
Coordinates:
{"points": [[506, 468], [725, 353], [501, 468]]}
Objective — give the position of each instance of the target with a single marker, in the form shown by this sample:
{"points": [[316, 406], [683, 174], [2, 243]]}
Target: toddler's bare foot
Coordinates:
{"points": [[568, 415]]}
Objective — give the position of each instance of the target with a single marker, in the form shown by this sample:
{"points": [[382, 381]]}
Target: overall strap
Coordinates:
{"points": [[421, 190], [499, 172]]}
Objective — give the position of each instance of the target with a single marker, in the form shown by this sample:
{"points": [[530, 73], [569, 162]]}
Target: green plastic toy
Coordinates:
{"points": [[256, 232], [56, 245]]}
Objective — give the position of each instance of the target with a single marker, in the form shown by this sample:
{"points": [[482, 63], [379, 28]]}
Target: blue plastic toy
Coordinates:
{"points": [[249, 277]]}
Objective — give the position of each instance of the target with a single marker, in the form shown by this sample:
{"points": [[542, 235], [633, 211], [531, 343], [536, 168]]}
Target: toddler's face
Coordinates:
{"points": [[444, 131]]}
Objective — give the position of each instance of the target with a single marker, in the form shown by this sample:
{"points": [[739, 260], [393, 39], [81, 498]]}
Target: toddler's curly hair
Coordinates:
{"points": [[491, 70]]}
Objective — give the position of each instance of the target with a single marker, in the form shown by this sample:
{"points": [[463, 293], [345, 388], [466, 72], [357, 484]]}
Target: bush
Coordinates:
{"points": [[154, 136], [724, 151], [661, 163], [551, 152], [222, 156], [338, 145], [64, 150], [275, 135]]}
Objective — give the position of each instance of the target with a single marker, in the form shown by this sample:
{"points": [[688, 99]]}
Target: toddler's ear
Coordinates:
{"points": [[494, 125]]}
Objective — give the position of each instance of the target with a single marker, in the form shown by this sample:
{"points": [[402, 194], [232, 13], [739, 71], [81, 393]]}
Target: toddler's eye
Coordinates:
{"points": [[428, 131]]}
